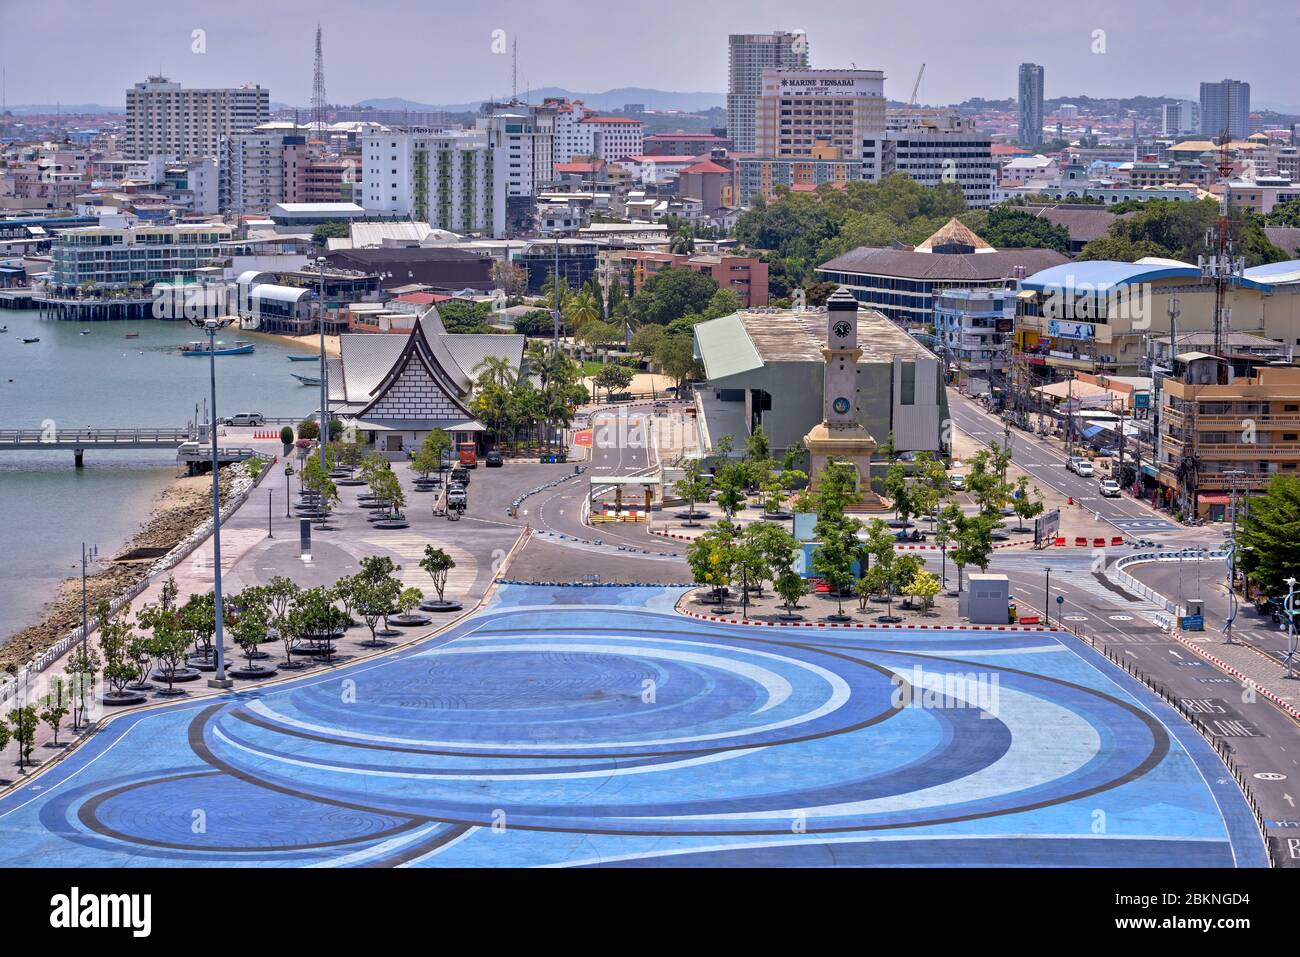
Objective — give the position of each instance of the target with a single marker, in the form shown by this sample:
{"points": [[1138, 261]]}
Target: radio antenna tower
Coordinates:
{"points": [[1223, 266], [318, 90]]}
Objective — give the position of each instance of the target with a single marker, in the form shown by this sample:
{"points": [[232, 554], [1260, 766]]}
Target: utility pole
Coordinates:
{"points": [[1232, 561]]}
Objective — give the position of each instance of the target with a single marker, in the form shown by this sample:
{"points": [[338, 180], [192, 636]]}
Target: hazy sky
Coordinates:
{"points": [[439, 51]]}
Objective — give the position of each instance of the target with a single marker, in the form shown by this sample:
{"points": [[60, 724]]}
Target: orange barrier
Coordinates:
{"points": [[1081, 540]]}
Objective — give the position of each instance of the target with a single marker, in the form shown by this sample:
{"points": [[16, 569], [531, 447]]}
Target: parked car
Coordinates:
{"points": [[1108, 488], [957, 482], [246, 418], [1080, 466], [494, 460], [460, 475]]}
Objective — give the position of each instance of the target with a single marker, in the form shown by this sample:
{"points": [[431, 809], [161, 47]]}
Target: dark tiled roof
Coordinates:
{"points": [[1286, 238], [941, 267], [1084, 224]]}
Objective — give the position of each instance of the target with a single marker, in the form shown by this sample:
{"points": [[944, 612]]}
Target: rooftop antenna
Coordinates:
{"points": [[318, 89], [514, 71]]}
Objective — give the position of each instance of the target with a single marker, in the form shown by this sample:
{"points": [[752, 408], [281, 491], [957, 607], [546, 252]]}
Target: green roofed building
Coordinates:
{"points": [[767, 366]]}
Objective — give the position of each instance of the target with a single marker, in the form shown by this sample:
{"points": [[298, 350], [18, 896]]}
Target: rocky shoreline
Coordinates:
{"points": [[183, 507]]}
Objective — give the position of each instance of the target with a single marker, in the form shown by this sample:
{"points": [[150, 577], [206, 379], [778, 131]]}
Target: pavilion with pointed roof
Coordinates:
{"points": [[396, 389]]}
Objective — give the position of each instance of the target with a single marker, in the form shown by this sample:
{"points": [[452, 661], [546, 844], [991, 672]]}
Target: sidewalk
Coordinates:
{"points": [[249, 556]]}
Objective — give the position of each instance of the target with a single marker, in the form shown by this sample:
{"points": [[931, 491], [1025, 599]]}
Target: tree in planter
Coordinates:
{"points": [[897, 488], [252, 623], [373, 598], [377, 569], [428, 459], [1026, 504], [291, 627], [409, 600], [834, 490], [388, 488], [22, 724], [169, 643], [279, 594], [711, 558], [923, 587], [307, 429], [83, 666], [320, 619], [139, 650], [778, 547], [692, 488], [834, 557], [873, 584], [438, 564], [904, 570], [730, 483], [317, 481], [750, 565], [286, 436], [198, 616], [372, 465], [945, 533], [789, 586], [114, 639], [974, 543], [170, 591], [930, 486], [55, 705]]}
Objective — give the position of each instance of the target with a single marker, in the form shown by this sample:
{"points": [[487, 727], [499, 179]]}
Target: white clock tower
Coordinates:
{"points": [[840, 437]]}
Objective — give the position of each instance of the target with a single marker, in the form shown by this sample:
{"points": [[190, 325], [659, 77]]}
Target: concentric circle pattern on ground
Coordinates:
{"points": [[570, 726]]}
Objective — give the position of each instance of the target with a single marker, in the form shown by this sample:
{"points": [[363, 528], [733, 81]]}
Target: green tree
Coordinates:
{"points": [[428, 458], [55, 705], [1027, 503], [22, 725], [1269, 535], [308, 429], [438, 564], [168, 644], [672, 293], [729, 480], [692, 488], [612, 378], [675, 357], [836, 551], [923, 587]]}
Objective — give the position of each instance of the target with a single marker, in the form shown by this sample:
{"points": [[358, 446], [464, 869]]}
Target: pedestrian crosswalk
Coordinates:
{"points": [[408, 548]]}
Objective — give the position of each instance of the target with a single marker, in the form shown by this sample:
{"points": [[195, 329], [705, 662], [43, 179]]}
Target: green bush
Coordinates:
{"points": [[286, 435], [308, 429]]}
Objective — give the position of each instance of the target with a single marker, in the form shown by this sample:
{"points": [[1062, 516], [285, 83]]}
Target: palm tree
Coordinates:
{"points": [[495, 370], [580, 309]]}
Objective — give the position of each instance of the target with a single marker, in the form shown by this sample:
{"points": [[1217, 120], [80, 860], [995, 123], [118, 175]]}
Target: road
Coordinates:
{"points": [[1046, 463]]}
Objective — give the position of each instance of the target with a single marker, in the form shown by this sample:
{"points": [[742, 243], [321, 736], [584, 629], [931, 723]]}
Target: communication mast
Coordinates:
{"points": [[318, 91], [1222, 267]]}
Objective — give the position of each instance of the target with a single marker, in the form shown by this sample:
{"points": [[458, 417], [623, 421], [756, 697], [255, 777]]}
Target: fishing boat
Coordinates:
{"points": [[304, 358], [306, 379], [85, 332], [4, 328], [32, 339], [133, 335], [241, 347]]}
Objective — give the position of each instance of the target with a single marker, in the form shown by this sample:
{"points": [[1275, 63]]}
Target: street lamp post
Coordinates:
{"points": [[270, 496], [1047, 594], [211, 327], [1232, 562], [1290, 625], [87, 555], [324, 396]]}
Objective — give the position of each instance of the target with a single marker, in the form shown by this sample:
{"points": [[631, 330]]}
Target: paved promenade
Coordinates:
{"points": [[594, 726]]}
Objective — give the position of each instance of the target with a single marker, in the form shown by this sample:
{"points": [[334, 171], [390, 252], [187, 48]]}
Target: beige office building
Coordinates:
{"points": [[800, 110]]}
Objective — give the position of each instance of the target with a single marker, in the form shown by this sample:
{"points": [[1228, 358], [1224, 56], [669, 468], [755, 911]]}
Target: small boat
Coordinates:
{"points": [[85, 332], [32, 339], [241, 347], [133, 335], [304, 358], [4, 328], [306, 379]]}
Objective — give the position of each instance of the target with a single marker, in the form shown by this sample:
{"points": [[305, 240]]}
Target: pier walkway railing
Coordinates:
{"points": [[88, 438]]}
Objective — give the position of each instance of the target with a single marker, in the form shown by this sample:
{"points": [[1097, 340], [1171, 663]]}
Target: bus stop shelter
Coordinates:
{"points": [[624, 509]]}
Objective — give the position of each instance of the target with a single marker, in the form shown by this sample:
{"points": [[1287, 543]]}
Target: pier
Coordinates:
{"points": [[78, 440]]}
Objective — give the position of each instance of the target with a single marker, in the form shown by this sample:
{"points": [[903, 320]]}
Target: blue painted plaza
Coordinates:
{"points": [[597, 727]]}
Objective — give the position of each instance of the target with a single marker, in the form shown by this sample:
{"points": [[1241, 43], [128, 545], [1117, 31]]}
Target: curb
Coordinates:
{"points": [[836, 624], [1244, 679], [899, 546]]}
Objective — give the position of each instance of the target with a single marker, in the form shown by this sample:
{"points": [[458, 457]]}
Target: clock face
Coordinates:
{"points": [[840, 405], [842, 329]]}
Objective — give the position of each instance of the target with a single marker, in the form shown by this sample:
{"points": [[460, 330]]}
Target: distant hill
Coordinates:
{"points": [[608, 100], [67, 108]]}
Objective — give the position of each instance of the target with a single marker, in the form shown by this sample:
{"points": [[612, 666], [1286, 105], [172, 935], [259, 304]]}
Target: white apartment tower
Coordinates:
{"points": [[450, 179], [748, 55], [163, 119]]}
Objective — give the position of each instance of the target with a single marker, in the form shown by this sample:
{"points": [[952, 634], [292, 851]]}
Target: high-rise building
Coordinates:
{"points": [[1225, 106], [1031, 104], [252, 167], [748, 55], [580, 131], [162, 119], [800, 110], [526, 134], [1179, 118], [934, 149], [450, 179]]}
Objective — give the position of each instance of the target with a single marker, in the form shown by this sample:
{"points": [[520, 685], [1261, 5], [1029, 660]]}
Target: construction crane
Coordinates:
{"points": [[917, 85]]}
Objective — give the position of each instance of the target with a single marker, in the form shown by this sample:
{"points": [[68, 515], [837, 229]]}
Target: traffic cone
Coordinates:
{"points": [[1070, 500]]}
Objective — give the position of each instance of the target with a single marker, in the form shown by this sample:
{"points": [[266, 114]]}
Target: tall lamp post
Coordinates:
{"points": [[324, 396], [1289, 605], [1047, 595], [1232, 561], [211, 327], [87, 555]]}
